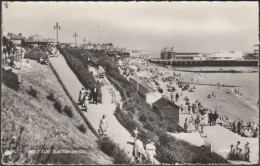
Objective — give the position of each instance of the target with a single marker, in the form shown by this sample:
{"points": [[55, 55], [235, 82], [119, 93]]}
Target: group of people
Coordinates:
{"points": [[236, 151], [86, 95], [249, 129], [13, 55], [43, 61], [198, 121], [143, 153]]}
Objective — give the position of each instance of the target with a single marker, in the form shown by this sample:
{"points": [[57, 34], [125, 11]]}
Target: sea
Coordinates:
{"points": [[247, 79]]}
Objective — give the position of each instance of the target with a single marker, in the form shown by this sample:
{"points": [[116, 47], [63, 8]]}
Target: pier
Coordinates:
{"points": [[205, 62]]}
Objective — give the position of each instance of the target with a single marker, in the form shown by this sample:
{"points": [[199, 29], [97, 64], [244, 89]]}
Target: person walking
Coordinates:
{"points": [[215, 117], [139, 151], [186, 125], [103, 126], [234, 126], [150, 151], [210, 118], [238, 150], [95, 93], [177, 96], [247, 151], [86, 102], [197, 122], [190, 125], [82, 94], [202, 124]]}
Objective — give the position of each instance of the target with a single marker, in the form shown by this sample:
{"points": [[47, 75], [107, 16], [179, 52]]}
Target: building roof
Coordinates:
{"points": [[162, 102], [17, 37], [166, 108]]}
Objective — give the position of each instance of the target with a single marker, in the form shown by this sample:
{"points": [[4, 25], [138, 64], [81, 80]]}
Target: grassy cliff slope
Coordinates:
{"points": [[31, 121]]}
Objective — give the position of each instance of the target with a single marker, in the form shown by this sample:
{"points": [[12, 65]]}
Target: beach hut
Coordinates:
{"points": [[166, 110]]}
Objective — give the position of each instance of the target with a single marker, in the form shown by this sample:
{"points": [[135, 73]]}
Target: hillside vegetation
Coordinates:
{"points": [[37, 115], [140, 111]]}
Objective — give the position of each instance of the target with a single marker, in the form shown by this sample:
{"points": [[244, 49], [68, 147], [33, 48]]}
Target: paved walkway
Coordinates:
{"points": [[117, 132]]}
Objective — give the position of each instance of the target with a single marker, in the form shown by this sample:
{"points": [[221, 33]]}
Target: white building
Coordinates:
{"points": [[232, 55]]}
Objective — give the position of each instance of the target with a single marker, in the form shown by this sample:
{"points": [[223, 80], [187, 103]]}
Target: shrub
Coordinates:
{"points": [[10, 79], [51, 96], [57, 105], [82, 128], [160, 90], [151, 118], [164, 139], [112, 149], [128, 94], [130, 114], [131, 109], [32, 92], [148, 126], [143, 118], [170, 129], [67, 109]]}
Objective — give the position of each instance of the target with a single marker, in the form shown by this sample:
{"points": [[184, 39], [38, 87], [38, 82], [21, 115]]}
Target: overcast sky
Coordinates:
{"points": [[187, 26]]}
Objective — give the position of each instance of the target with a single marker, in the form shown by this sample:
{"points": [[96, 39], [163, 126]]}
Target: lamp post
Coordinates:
{"points": [[57, 27], [75, 35]]}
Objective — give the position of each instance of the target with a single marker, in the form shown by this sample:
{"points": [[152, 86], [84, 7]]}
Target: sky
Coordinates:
{"points": [[187, 26]]}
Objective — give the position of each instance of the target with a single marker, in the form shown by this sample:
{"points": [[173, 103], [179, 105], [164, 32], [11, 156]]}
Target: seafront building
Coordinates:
{"points": [[170, 54]]}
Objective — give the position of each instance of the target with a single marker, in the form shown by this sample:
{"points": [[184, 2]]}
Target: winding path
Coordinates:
{"points": [[117, 132]]}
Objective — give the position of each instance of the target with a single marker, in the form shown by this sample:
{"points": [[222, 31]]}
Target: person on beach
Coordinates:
{"points": [[177, 97], [206, 118], [103, 126], [186, 125], [234, 126], [239, 126], [247, 151], [150, 151], [182, 109], [82, 94]]}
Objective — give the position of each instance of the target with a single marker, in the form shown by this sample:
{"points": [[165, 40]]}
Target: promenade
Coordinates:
{"points": [[117, 132]]}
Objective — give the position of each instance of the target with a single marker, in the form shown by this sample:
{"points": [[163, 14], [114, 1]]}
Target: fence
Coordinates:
{"points": [[163, 155], [80, 78]]}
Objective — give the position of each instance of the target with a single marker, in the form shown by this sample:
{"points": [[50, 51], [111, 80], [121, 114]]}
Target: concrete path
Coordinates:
{"points": [[117, 132]]}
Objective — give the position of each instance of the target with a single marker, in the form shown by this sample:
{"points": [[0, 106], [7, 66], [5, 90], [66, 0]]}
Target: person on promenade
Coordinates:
{"points": [[193, 108], [95, 93], [150, 151], [182, 109], [189, 109], [202, 124], [239, 126], [247, 151], [190, 125], [210, 118], [215, 117], [86, 102], [186, 125], [82, 94], [238, 150], [139, 151], [103, 126], [197, 122], [135, 133]]}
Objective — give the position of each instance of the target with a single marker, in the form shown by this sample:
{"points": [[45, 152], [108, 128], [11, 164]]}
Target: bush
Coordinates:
{"points": [[160, 90], [112, 149], [143, 118], [57, 105], [68, 111], [131, 109], [170, 129], [148, 126], [128, 94], [32, 92], [10, 79], [130, 114], [82, 128], [151, 119], [51, 96], [164, 139]]}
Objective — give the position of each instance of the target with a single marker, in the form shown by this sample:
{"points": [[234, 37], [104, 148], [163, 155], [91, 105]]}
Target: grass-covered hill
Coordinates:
{"points": [[36, 114]]}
